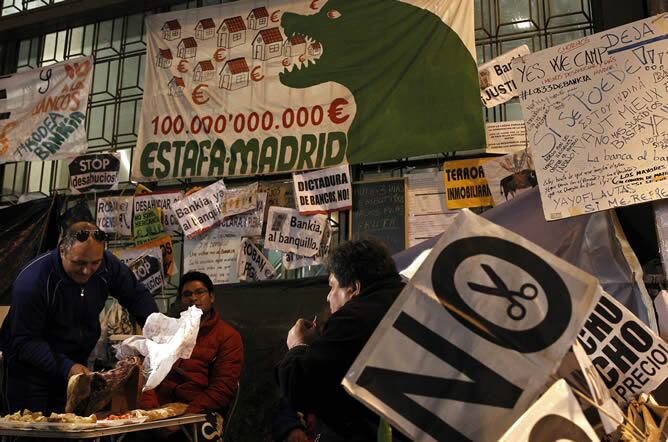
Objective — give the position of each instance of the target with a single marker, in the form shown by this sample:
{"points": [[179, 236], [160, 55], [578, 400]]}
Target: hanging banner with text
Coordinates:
{"points": [[594, 110], [249, 223], [43, 111], [288, 231], [213, 253], [94, 172], [510, 175], [555, 416], [505, 137], [496, 78], [163, 201], [629, 356], [323, 191], [114, 215], [252, 264], [487, 319], [292, 261], [200, 211], [246, 88], [465, 184]]}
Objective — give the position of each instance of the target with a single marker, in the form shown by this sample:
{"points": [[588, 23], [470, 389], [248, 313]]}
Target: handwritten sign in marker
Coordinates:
{"points": [[596, 113]]}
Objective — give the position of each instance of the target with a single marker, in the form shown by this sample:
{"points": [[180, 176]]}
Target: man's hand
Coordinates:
{"points": [[297, 435], [303, 332], [78, 369]]}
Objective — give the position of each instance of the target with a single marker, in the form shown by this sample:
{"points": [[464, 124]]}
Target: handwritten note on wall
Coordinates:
{"points": [[596, 111]]}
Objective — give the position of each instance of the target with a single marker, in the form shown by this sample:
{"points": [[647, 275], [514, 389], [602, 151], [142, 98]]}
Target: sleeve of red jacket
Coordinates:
{"points": [[224, 375]]}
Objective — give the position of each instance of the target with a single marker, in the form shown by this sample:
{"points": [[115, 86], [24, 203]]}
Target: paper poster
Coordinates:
{"points": [[486, 320], [164, 202], [465, 184], [510, 175], [505, 136], [496, 78], [288, 231], [43, 111], [127, 255], [166, 247], [279, 193], [595, 110], [292, 261], [114, 215], [252, 264], [94, 172], [428, 214], [239, 200], [249, 223], [323, 191], [629, 356], [245, 88], [200, 211], [213, 253], [555, 416], [147, 225], [148, 271]]}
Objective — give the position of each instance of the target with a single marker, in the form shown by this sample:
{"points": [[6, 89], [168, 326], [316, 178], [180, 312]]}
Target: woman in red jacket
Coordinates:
{"points": [[208, 380]]}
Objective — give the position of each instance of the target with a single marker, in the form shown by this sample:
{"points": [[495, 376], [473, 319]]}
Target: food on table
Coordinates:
{"points": [[37, 416], [167, 411]]}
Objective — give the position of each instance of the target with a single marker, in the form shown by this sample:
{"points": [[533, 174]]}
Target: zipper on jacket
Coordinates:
{"points": [[81, 313]]}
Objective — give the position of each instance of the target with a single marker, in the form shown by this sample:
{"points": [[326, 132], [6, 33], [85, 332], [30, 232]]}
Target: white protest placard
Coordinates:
{"points": [[252, 264], [610, 413], [94, 172], [629, 356], [323, 191], [292, 261], [114, 214], [44, 111], [555, 416], [496, 78], [510, 175], [249, 223], [239, 200], [288, 231], [486, 320], [213, 253], [595, 110], [148, 271], [200, 211], [160, 200], [428, 213], [505, 136]]}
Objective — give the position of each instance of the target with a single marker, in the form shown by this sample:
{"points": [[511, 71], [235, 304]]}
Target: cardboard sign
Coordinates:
{"points": [[323, 191], [97, 172], [148, 271], [213, 253], [252, 264], [167, 250], [200, 211], [465, 184], [595, 110], [249, 223], [292, 261], [496, 78], [555, 416], [288, 231], [44, 111], [510, 175], [239, 200], [629, 356], [114, 214], [505, 136], [486, 320], [164, 202]]}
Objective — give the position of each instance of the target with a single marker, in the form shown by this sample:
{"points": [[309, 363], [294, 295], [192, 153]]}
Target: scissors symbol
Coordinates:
{"points": [[516, 311]]}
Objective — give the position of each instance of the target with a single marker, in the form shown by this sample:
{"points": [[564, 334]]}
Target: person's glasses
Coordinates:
{"points": [[82, 235], [198, 292]]}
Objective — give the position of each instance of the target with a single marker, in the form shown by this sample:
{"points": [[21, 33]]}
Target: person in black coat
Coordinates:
{"points": [[364, 283]]}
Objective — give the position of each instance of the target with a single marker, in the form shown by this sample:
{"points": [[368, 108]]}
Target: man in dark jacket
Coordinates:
{"points": [[363, 284], [53, 322]]}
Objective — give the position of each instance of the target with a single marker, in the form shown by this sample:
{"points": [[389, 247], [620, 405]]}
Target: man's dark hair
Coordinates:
{"points": [[196, 276], [366, 260]]}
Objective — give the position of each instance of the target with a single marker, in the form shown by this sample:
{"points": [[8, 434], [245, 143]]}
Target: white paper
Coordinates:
{"points": [[505, 136], [164, 201], [94, 172], [213, 253], [252, 264], [428, 214], [249, 223], [496, 78], [200, 211], [114, 214], [292, 261], [323, 191], [288, 231], [239, 200]]}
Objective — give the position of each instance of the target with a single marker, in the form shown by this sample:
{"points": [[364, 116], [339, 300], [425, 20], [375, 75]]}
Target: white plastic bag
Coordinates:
{"points": [[165, 341]]}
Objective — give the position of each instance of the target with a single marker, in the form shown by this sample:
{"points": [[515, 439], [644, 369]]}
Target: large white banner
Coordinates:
{"points": [[43, 111], [213, 253], [114, 214], [288, 231], [594, 110], [323, 191], [496, 78], [160, 200], [486, 321]]}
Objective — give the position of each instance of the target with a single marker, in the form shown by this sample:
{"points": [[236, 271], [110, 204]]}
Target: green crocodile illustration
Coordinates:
{"points": [[414, 82]]}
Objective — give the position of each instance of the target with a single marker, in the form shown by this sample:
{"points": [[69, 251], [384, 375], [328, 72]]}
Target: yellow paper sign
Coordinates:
{"points": [[465, 184]]}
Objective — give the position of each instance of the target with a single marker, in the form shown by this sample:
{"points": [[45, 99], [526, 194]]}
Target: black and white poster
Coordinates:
{"points": [[94, 172], [147, 268]]}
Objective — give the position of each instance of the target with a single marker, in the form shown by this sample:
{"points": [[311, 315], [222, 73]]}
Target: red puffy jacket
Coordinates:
{"points": [[208, 380]]}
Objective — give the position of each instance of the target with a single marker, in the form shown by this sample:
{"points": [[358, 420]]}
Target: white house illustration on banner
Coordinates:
{"points": [[187, 48], [315, 48], [204, 71], [205, 29], [171, 30], [176, 86], [164, 58], [232, 32], [267, 44], [295, 45], [258, 18], [234, 74]]}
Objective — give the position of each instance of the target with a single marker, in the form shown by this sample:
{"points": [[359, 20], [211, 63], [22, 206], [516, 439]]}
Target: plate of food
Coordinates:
{"points": [[116, 420], [22, 419]]}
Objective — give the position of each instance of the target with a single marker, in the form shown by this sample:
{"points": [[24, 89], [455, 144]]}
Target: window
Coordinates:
{"points": [[274, 47], [236, 37], [240, 78]]}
